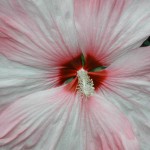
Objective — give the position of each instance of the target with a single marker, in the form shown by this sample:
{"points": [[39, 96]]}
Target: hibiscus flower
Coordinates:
{"points": [[72, 75]]}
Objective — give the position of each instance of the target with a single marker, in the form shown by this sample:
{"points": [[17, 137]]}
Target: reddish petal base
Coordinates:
{"points": [[69, 68]]}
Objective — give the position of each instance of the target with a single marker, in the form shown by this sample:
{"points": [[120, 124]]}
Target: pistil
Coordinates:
{"points": [[85, 84]]}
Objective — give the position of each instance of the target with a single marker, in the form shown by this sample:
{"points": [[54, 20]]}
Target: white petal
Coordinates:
{"points": [[109, 28], [17, 80], [134, 102], [38, 33], [107, 128], [128, 87], [45, 120], [135, 63], [56, 119]]}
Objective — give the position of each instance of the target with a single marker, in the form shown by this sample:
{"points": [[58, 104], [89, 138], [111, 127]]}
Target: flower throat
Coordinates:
{"points": [[83, 74]]}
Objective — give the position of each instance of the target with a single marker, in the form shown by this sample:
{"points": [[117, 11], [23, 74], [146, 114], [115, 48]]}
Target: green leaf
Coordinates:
{"points": [[83, 60], [147, 43], [69, 80], [98, 69]]}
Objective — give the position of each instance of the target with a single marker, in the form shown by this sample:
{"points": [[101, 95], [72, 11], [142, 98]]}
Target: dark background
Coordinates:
{"points": [[146, 42]]}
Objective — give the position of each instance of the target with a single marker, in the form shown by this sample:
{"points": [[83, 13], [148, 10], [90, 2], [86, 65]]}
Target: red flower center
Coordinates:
{"points": [[69, 69]]}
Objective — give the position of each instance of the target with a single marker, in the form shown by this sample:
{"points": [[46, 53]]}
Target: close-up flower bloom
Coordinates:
{"points": [[73, 75]]}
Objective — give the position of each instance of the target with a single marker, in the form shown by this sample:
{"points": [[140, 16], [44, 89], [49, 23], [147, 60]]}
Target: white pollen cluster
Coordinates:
{"points": [[85, 84]]}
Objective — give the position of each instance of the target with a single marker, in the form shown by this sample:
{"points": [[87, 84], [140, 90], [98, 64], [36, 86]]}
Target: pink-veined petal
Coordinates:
{"points": [[128, 87], [47, 120], [56, 119], [37, 33], [106, 127], [109, 28], [17, 80], [134, 101], [135, 63]]}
